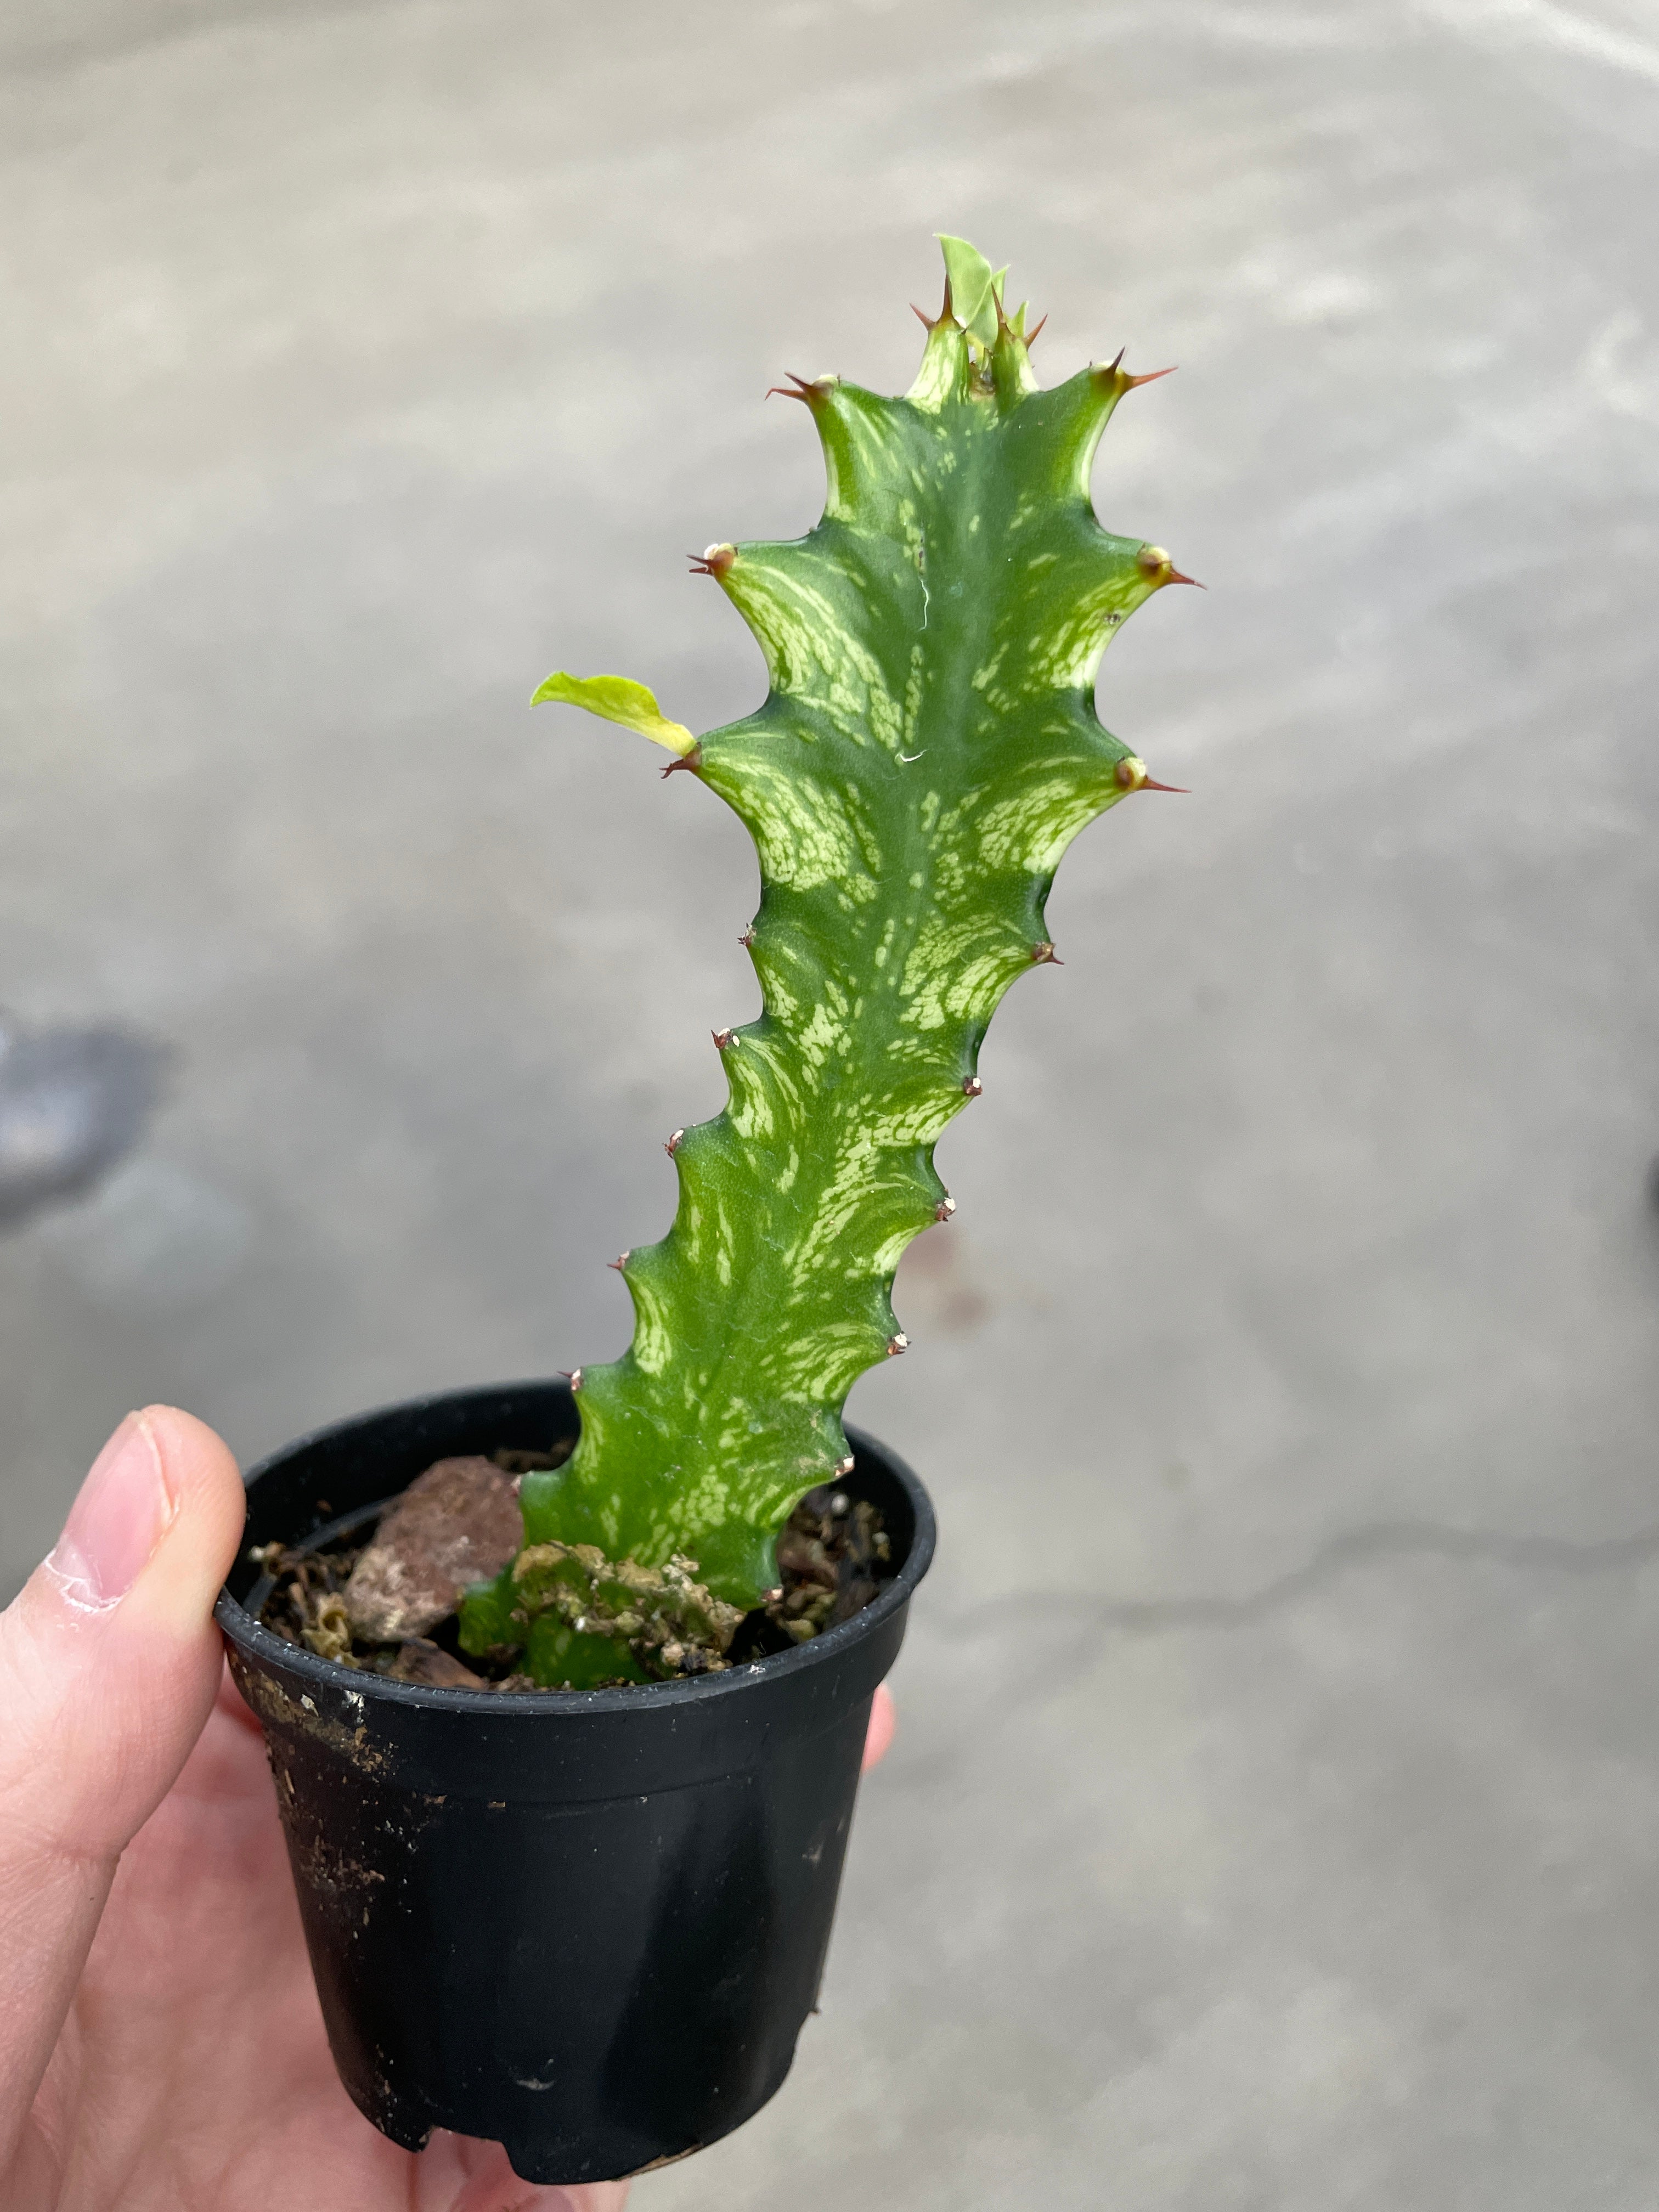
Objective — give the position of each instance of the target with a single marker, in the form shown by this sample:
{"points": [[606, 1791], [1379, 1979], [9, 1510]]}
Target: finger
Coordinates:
{"points": [[109, 1661], [884, 1720], [460, 2173]]}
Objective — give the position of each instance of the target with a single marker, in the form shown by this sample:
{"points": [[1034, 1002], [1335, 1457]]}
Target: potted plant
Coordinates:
{"points": [[565, 1684]]}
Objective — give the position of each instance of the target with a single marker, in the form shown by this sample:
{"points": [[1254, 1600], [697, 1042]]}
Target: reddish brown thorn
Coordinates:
{"points": [[810, 390], [1150, 377], [619, 1262], [1155, 564], [845, 1466], [573, 1375], [748, 937], [1043, 954], [722, 1038], [948, 310], [897, 1343], [921, 316], [1113, 366], [713, 561], [673, 1144], [972, 1087], [780, 392], [693, 760], [1152, 784], [1035, 332], [944, 1209]]}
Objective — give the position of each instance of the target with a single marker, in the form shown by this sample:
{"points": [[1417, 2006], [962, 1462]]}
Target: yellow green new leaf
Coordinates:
{"points": [[616, 699]]}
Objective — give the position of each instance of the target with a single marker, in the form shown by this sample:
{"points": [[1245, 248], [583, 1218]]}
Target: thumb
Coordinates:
{"points": [[109, 1662]]}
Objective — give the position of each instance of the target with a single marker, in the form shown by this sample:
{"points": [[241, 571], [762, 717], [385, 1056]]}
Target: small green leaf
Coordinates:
{"points": [[617, 699], [974, 287]]}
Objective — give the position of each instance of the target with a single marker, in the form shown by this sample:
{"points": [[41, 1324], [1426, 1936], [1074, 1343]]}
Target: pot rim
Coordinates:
{"points": [[264, 1647]]}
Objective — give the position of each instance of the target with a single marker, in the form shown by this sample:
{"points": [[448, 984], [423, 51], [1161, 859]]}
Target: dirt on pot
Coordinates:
{"points": [[388, 1606]]}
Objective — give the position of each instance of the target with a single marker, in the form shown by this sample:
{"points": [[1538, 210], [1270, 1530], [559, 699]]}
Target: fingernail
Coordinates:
{"points": [[115, 1524]]}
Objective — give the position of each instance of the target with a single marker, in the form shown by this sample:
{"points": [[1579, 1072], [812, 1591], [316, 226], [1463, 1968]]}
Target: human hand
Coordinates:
{"points": [[162, 2048]]}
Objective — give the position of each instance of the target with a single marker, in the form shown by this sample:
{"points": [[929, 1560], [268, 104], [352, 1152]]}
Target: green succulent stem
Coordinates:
{"points": [[927, 750]]}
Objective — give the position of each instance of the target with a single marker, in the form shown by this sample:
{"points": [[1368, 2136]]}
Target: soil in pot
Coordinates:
{"points": [[378, 1592]]}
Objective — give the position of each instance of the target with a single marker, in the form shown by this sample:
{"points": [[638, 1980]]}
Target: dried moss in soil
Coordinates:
{"points": [[833, 1559]]}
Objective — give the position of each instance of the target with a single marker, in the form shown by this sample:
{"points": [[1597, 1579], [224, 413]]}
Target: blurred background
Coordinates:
{"points": [[1273, 1820]]}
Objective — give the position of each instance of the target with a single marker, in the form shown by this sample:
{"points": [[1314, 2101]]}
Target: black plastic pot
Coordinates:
{"points": [[590, 1925]]}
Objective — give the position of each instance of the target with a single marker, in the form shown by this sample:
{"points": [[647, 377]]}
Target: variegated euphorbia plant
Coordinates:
{"points": [[928, 750]]}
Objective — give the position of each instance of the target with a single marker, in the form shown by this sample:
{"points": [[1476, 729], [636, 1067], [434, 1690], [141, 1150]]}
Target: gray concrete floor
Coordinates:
{"points": [[1273, 1821]]}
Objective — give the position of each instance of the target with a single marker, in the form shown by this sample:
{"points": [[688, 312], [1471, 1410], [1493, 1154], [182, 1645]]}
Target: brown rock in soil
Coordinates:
{"points": [[456, 1524], [420, 1661]]}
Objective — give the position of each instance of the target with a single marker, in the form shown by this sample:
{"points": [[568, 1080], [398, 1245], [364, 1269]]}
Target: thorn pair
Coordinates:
{"points": [[946, 314], [971, 1087], [944, 1209], [1155, 564], [693, 760], [1131, 774], [619, 1262], [809, 390], [1045, 956], [713, 561], [1115, 369], [673, 1144], [928, 324], [897, 1343], [722, 1038], [573, 1375]]}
